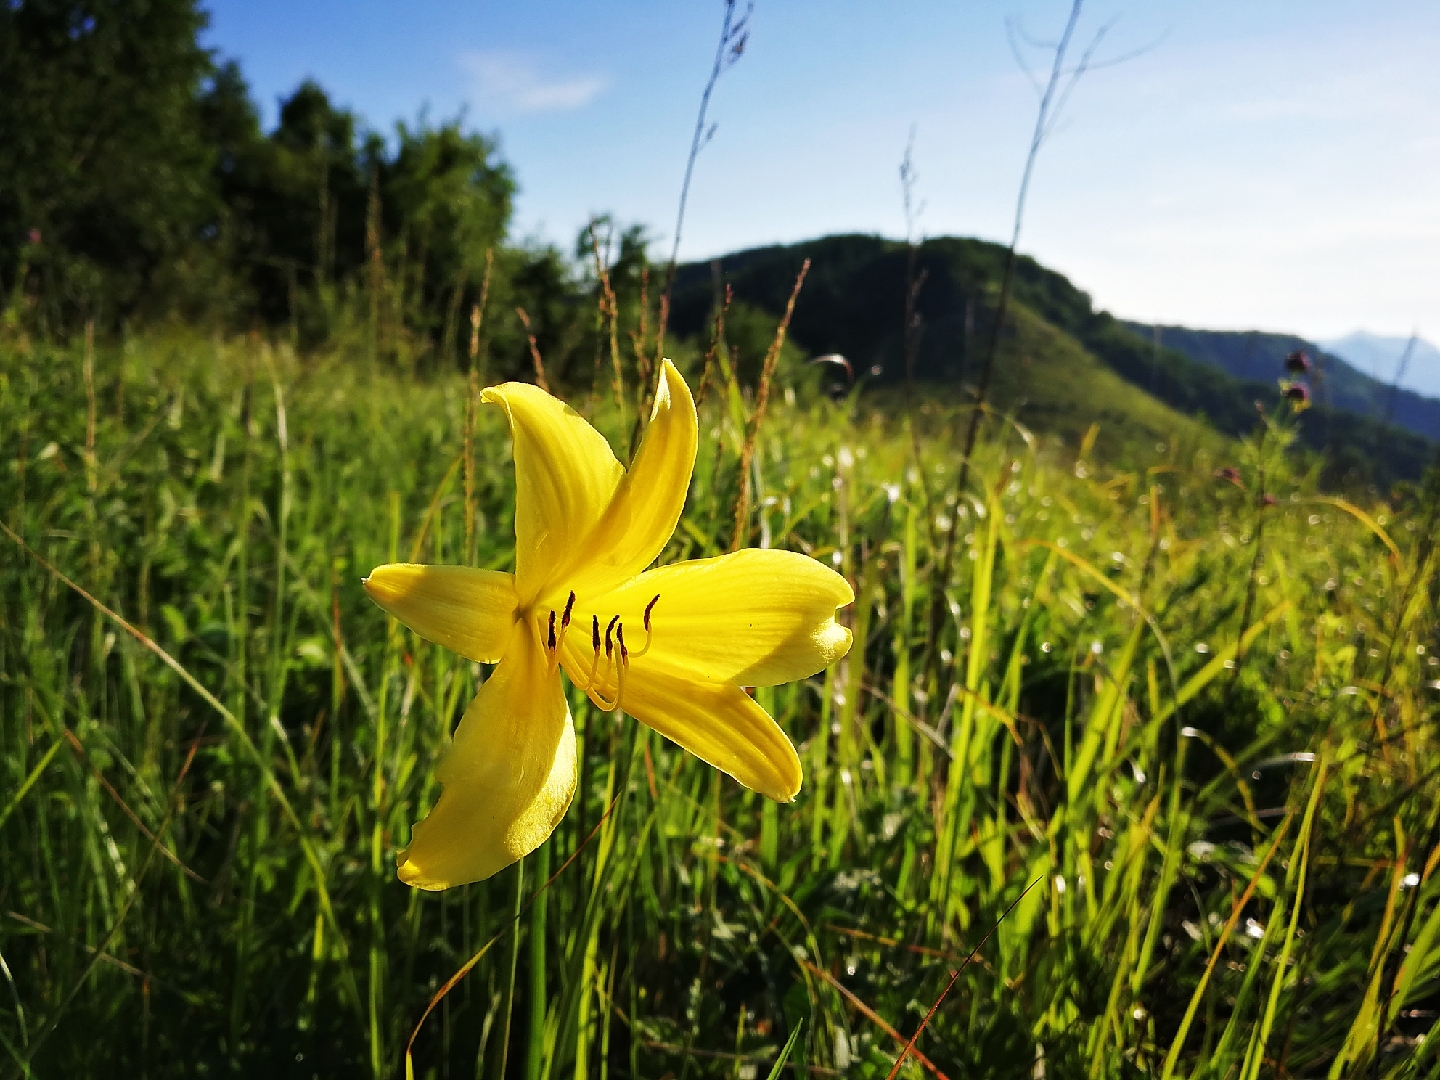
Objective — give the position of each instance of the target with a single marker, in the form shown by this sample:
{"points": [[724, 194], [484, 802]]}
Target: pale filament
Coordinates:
{"points": [[599, 700]]}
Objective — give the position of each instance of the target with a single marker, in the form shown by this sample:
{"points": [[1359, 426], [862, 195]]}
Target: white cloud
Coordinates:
{"points": [[514, 81]]}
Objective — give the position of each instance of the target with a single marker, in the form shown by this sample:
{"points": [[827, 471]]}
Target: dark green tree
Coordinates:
{"points": [[292, 205], [449, 200], [321, 217], [102, 151]]}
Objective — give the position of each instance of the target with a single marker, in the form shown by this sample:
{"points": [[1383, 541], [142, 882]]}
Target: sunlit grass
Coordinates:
{"points": [[1219, 768]]}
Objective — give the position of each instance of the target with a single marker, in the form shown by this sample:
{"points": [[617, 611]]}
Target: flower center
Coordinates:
{"points": [[616, 654]]}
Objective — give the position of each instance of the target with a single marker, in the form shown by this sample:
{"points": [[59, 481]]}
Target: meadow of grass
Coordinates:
{"points": [[1177, 742]]}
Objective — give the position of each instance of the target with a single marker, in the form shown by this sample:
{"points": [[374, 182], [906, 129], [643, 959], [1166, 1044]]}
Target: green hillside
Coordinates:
{"points": [[853, 303], [1050, 384]]}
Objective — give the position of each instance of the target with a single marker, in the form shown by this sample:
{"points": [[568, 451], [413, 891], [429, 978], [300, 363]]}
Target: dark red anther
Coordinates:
{"points": [[648, 608], [595, 632], [552, 630], [609, 644], [620, 637], [569, 607]]}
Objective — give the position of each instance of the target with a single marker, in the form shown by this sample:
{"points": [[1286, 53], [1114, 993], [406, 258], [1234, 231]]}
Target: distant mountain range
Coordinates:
{"points": [[1381, 357], [1254, 355], [1062, 364]]}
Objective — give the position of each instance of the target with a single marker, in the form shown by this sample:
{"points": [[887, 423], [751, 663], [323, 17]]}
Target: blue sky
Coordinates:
{"points": [[1270, 164]]}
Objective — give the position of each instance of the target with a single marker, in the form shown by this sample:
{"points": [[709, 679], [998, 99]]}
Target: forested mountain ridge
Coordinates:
{"points": [[853, 302], [1251, 354], [1411, 360]]}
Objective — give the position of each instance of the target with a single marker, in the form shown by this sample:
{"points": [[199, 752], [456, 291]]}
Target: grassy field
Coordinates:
{"points": [[1177, 742]]}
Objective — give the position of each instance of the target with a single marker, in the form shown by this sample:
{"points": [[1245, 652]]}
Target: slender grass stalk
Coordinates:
{"points": [[507, 1006], [535, 975]]}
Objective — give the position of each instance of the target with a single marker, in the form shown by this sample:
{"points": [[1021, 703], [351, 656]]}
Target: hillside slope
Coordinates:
{"points": [[1047, 381], [854, 303]]}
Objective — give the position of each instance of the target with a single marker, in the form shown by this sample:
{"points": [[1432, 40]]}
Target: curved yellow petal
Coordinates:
{"points": [[641, 517], [565, 477], [754, 617], [471, 612], [509, 776], [719, 724]]}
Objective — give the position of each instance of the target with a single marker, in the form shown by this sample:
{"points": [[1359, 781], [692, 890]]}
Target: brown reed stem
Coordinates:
{"points": [[88, 370], [477, 319], [762, 398], [734, 33], [717, 343], [643, 362], [610, 310], [472, 398], [534, 351], [1044, 124]]}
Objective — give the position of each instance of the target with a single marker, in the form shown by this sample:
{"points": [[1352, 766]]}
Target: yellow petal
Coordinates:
{"points": [[471, 612], [721, 725], [509, 776], [640, 519], [754, 617], [565, 477]]}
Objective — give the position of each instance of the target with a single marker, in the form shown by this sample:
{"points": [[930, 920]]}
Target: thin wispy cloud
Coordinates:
{"points": [[517, 82]]}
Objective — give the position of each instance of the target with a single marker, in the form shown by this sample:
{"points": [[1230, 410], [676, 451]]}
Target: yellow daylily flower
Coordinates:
{"points": [[672, 646]]}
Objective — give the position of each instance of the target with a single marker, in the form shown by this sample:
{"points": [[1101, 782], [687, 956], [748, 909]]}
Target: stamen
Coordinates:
{"points": [[548, 643], [614, 631], [557, 643], [648, 608], [595, 644]]}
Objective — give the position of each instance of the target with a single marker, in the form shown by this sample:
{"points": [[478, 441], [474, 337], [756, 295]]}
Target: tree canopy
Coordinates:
{"points": [[135, 178], [104, 162]]}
